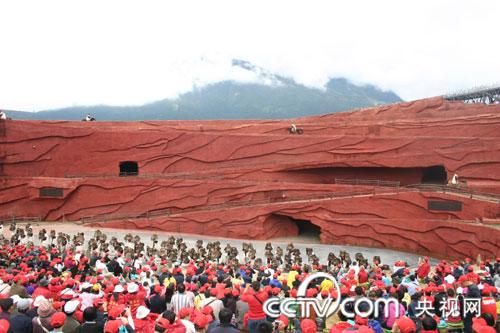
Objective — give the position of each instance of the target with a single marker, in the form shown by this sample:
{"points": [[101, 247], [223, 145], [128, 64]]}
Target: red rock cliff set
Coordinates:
{"points": [[374, 177]]}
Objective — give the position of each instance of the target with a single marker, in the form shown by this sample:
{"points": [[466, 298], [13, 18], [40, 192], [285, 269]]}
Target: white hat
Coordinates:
{"points": [[118, 289], [71, 306], [132, 287], [68, 292], [39, 300], [460, 290], [86, 285], [15, 298], [23, 303], [142, 312]]}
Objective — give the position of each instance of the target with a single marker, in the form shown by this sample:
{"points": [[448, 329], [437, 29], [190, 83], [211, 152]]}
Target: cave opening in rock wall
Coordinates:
{"points": [[307, 230], [129, 168], [386, 175], [434, 175]]}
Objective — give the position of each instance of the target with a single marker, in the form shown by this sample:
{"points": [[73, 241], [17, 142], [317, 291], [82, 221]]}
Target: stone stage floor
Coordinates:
{"points": [[301, 242]]}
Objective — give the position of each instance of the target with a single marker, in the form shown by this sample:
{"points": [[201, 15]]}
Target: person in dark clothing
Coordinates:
{"points": [[156, 303], [114, 266], [21, 322], [6, 306], [169, 292], [413, 307], [429, 324], [230, 302], [439, 299], [224, 325], [164, 275], [90, 325], [472, 292], [265, 327], [179, 277], [32, 313]]}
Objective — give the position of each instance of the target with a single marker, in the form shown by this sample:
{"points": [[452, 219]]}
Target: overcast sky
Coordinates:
{"points": [[64, 53]]}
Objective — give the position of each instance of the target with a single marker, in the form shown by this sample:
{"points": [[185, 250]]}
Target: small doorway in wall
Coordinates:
{"points": [[434, 175], [128, 168]]}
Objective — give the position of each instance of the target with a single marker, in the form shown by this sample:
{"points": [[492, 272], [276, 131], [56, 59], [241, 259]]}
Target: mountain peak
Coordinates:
{"points": [[272, 97], [262, 74]]}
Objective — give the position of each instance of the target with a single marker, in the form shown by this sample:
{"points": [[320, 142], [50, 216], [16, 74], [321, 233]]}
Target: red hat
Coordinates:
{"points": [[201, 321], [284, 320], [293, 293], [235, 293], [58, 319], [109, 289], [311, 292], [479, 325], [276, 291], [57, 306], [361, 320], [4, 326], [213, 292], [406, 325], [308, 326], [184, 312], [486, 290], [157, 289]]}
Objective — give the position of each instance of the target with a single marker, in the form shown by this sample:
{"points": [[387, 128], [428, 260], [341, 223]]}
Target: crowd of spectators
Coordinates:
{"points": [[68, 284]]}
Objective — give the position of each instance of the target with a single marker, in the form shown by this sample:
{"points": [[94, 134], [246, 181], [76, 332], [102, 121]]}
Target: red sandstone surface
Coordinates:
{"points": [[251, 179]]}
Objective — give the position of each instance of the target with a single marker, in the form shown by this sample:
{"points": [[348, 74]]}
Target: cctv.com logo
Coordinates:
{"points": [[289, 306]]}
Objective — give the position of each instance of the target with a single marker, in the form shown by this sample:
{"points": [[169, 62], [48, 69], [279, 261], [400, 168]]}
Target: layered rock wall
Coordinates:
{"points": [[349, 173]]}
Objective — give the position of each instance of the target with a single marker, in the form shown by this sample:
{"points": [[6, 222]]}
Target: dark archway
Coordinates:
{"points": [[292, 229], [434, 175], [129, 168], [308, 232]]}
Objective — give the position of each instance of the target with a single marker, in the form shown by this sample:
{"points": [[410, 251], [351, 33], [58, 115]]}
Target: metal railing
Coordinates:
{"points": [[468, 192], [379, 188], [13, 218], [368, 182], [289, 199], [237, 204]]}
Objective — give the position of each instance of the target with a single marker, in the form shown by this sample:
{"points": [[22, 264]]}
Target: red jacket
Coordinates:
{"points": [[135, 301], [145, 325], [489, 305], [255, 303], [423, 270], [362, 276], [176, 327]]}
